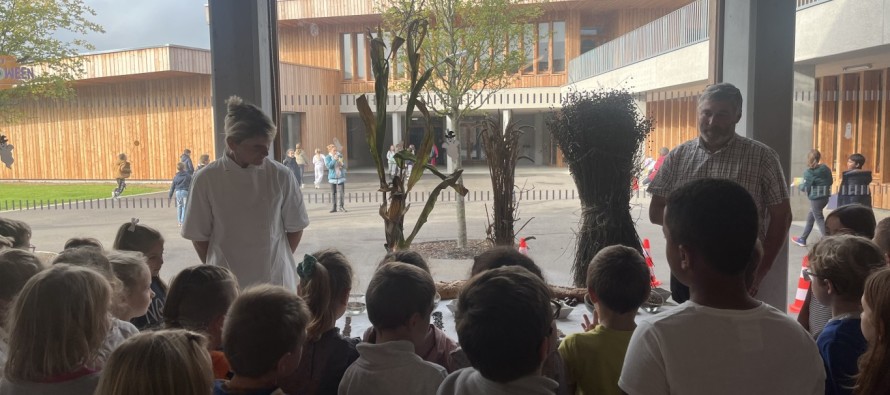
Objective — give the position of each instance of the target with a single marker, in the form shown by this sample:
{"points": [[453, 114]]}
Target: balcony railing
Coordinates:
{"points": [[801, 4], [681, 28]]}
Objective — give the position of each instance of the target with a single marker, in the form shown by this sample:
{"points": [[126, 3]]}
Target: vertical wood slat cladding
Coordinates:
{"points": [[848, 106], [827, 125], [868, 117], [314, 92], [675, 122], [80, 138]]}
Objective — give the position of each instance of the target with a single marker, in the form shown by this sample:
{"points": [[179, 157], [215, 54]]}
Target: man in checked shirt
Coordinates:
{"points": [[718, 152]]}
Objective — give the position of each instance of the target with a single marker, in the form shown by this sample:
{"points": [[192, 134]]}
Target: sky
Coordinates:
{"points": [[133, 24]]}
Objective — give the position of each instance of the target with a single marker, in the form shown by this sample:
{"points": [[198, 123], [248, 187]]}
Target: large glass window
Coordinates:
{"points": [[347, 55], [559, 47], [543, 47], [361, 56], [528, 47]]}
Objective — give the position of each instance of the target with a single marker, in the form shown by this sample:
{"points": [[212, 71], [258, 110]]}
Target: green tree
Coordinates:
{"points": [[29, 32], [474, 49]]}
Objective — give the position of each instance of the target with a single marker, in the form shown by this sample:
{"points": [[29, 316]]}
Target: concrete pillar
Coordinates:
{"points": [[758, 41], [396, 128], [243, 51], [802, 135], [506, 116], [539, 131]]}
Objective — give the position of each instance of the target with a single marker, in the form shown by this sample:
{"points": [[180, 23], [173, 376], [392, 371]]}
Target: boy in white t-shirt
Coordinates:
{"points": [[721, 341], [400, 301]]}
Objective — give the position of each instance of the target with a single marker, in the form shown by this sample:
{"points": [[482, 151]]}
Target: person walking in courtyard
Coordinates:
{"points": [[123, 171], [180, 187], [291, 163], [336, 176], [186, 159], [817, 183], [300, 157], [318, 163], [245, 211], [854, 183], [718, 152], [391, 161]]}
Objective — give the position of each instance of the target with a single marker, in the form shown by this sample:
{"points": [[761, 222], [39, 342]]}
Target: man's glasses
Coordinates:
{"points": [[32, 248], [808, 274]]}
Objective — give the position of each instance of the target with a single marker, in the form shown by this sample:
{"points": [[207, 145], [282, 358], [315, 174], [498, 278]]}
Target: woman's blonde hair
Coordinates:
{"points": [[170, 362], [58, 323], [330, 147], [245, 120], [325, 276], [318, 150], [813, 158], [875, 362]]}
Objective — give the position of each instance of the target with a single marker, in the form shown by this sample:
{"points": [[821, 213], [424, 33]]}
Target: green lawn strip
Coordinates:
{"points": [[60, 192]]}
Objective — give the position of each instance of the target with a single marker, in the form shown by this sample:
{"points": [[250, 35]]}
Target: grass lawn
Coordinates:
{"points": [[50, 192]]}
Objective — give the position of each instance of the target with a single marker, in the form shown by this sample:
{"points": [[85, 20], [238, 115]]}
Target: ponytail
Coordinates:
{"points": [[325, 276]]}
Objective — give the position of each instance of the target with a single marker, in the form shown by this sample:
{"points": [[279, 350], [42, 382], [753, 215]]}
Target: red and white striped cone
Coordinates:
{"points": [[653, 281], [802, 286], [523, 246]]}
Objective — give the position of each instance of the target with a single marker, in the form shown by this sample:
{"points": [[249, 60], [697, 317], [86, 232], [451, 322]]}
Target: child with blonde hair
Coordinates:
{"points": [[135, 295], [133, 236], [400, 301], [198, 300], [319, 166], [263, 338], [58, 324], [16, 268], [325, 282], [177, 359], [839, 266], [875, 324]]}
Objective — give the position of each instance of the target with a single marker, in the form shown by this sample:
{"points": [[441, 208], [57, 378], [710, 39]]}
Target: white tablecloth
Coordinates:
{"points": [[569, 325]]}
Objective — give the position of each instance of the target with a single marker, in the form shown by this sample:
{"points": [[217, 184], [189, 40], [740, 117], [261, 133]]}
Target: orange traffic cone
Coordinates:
{"points": [[523, 246], [802, 286], [654, 282]]}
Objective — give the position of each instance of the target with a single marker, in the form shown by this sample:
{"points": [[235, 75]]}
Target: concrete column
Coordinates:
{"points": [[242, 54], [758, 57], [506, 115], [802, 135], [539, 139], [396, 128]]}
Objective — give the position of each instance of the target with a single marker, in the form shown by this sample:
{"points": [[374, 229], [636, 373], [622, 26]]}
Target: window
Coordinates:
{"points": [[528, 47], [543, 47], [361, 64], [559, 47], [588, 38], [347, 55]]}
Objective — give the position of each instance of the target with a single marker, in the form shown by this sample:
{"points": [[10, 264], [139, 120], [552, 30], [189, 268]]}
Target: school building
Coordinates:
{"points": [[151, 103]]}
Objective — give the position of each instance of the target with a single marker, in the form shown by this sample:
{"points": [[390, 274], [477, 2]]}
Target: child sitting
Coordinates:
{"points": [[58, 324], [263, 339], [132, 236], [882, 238], [400, 301], [176, 359], [721, 340], [135, 294], [76, 242], [839, 266], [618, 284], [325, 282], [875, 325], [18, 232], [853, 219], [94, 259], [504, 324], [198, 300], [16, 268], [437, 347]]}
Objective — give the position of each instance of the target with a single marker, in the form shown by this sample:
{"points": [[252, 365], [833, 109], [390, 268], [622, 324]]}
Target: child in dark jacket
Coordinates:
{"points": [[180, 187]]}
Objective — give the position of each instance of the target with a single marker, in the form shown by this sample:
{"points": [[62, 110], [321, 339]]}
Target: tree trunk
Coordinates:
{"points": [[461, 206]]}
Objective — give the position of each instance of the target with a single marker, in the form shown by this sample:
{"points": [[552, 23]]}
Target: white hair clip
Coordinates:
{"points": [[133, 222]]}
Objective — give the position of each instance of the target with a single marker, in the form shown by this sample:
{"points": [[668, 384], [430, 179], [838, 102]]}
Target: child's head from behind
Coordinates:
{"points": [[92, 258], [618, 279], [840, 265], [18, 231], [16, 268], [198, 300], [178, 362], [264, 332], [406, 256], [325, 282], [500, 256], [135, 295], [882, 237], [503, 322], [400, 299], [131, 236], [875, 326], [76, 242], [852, 219], [58, 323], [699, 242]]}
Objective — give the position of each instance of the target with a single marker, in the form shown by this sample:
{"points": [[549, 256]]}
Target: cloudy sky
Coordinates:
{"points": [[130, 24]]}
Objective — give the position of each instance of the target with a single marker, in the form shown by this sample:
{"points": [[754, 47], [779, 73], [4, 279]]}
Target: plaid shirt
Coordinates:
{"points": [[750, 163]]}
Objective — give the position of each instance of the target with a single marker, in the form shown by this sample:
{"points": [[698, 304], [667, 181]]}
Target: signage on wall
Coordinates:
{"points": [[11, 73]]}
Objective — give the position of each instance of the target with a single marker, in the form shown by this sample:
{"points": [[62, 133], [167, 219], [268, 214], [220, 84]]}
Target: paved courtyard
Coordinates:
{"points": [[359, 234]]}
